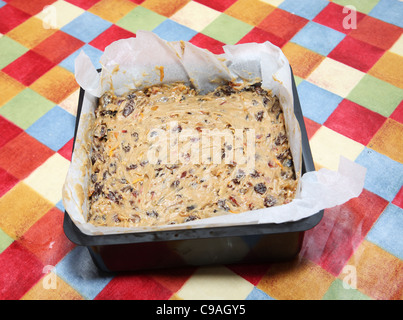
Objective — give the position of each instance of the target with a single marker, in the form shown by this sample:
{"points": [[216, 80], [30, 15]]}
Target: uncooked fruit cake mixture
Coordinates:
{"points": [[167, 155]]}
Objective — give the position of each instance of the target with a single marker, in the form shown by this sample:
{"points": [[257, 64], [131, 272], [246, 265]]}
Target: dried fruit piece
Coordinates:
{"points": [[260, 188]]}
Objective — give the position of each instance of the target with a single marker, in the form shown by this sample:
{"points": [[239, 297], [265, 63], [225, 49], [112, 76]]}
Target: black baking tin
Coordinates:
{"points": [[204, 246]]}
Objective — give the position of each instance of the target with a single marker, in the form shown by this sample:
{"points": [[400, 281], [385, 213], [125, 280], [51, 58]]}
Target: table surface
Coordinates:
{"points": [[348, 66]]}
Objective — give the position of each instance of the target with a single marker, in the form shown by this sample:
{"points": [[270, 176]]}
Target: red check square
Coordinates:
{"points": [[282, 24], [84, 4], [208, 43], [8, 131], [10, 17], [356, 53], [259, 35], [376, 32], [398, 113], [110, 35], [350, 222], [311, 127], [58, 46], [354, 121], [31, 7], [20, 270], [7, 181], [398, 200], [28, 67], [335, 17], [46, 238], [134, 287], [23, 154], [221, 5], [67, 150]]}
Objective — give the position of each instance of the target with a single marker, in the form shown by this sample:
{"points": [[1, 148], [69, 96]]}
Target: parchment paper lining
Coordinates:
{"points": [[136, 62]]}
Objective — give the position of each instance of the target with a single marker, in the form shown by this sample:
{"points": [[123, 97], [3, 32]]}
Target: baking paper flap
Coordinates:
{"points": [[136, 62]]}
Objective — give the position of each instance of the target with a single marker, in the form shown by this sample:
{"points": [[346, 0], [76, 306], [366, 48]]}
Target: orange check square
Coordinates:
{"points": [[20, 208], [303, 61], [56, 85], [30, 33]]}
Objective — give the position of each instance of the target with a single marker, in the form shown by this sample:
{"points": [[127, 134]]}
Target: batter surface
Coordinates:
{"points": [[155, 161]]}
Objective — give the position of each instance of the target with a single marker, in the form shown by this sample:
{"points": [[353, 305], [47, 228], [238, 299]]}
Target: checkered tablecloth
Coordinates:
{"points": [[347, 57]]}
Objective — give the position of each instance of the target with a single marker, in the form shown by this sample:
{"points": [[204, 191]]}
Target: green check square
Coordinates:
{"points": [[342, 291], [5, 240], [10, 50], [376, 95], [140, 18], [227, 29], [25, 108], [359, 5]]}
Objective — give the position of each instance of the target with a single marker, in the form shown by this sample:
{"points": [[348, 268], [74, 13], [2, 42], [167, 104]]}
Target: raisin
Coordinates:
{"points": [[127, 110], [153, 134], [126, 148], [131, 95], [153, 214], [191, 218], [114, 196], [223, 205], [131, 167], [135, 135], [97, 191], [240, 174], [135, 218], [94, 177], [259, 116], [283, 155], [175, 183], [281, 138], [113, 168], [110, 113], [100, 132], [255, 174], [178, 128], [190, 208], [288, 163], [269, 201], [226, 90], [276, 106], [260, 188], [106, 99], [127, 188]]}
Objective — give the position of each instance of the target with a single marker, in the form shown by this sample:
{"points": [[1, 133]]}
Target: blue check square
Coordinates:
{"points": [[307, 9], [80, 272], [387, 231], [317, 104], [384, 176], [390, 11], [54, 129], [93, 53], [86, 27], [172, 31], [318, 38], [257, 294]]}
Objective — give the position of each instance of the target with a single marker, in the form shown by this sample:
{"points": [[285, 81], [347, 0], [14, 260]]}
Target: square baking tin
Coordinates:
{"points": [[200, 246]]}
